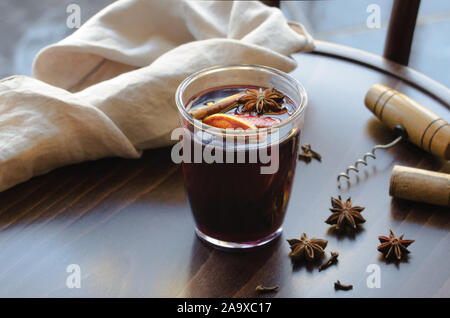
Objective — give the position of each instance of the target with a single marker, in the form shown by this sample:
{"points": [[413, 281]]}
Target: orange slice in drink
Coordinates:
{"points": [[225, 121], [260, 122]]}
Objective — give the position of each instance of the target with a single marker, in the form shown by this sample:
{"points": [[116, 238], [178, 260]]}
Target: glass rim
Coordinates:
{"points": [[201, 126]]}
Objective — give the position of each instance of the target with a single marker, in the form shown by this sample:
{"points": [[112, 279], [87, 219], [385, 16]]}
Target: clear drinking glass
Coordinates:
{"points": [[238, 201]]}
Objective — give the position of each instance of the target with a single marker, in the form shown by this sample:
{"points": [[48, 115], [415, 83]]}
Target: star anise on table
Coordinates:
{"points": [[307, 249], [393, 246], [344, 214], [261, 101]]}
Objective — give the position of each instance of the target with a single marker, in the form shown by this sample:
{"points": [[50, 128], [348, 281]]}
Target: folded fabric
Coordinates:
{"points": [[108, 89]]}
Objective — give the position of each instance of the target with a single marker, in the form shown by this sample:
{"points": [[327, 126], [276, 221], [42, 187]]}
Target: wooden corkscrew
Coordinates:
{"points": [[409, 120]]}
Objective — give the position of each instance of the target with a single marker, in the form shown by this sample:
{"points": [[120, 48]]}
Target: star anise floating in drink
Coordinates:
{"points": [[307, 249], [344, 214], [261, 101], [393, 247]]}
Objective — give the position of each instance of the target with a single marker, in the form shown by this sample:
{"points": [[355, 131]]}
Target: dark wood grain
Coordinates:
{"points": [[400, 32], [127, 224]]}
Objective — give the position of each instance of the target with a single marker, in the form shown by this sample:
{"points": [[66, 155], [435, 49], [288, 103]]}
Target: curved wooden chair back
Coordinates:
{"points": [[400, 32]]}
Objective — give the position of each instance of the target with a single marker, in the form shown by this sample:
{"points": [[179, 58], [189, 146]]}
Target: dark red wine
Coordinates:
{"points": [[235, 202]]}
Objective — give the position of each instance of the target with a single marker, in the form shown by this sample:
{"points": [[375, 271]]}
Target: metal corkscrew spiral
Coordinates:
{"points": [[399, 130], [409, 120]]}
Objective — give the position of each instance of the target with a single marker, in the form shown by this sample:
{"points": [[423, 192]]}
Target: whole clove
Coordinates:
{"points": [[306, 157], [331, 261], [263, 289], [339, 286], [308, 154]]}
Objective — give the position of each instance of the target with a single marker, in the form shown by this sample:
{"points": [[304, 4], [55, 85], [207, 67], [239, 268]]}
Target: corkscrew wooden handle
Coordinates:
{"points": [[420, 185], [424, 128]]}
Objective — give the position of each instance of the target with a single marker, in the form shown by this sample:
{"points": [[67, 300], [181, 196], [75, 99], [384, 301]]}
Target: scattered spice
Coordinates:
{"points": [[306, 157], [331, 261], [260, 101], [339, 286], [392, 246], [344, 214], [307, 249], [263, 289], [308, 154], [307, 149]]}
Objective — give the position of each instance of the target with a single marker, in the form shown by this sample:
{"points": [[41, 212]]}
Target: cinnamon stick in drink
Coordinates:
{"points": [[220, 106]]}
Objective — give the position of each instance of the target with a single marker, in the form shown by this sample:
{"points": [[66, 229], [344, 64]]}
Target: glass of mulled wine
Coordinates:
{"points": [[240, 130]]}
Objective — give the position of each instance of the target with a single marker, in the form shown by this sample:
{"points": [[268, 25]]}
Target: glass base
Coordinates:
{"points": [[223, 245]]}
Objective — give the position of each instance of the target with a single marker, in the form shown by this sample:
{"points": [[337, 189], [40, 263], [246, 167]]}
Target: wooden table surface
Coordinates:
{"points": [[127, 225]]}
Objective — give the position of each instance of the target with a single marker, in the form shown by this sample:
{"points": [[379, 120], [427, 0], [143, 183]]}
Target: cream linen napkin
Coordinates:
{"points": [[108, 89]]}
